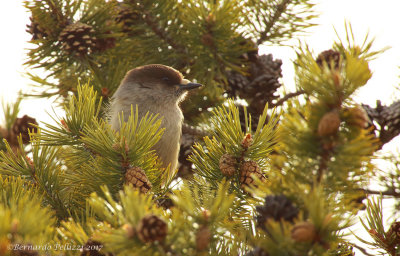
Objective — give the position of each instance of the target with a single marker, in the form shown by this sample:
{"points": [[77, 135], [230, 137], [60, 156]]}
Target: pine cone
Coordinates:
{"points": [[207, 39], [35, 29], [260, 86], [151, 228], [394, 232], [165, 203], [22, 126], [329, 123], [129, 230], [358, 117], [303, 232], [3, 133], [257, 252], [274, 67], [92, 248], [385, 119], [276, 207], [128, 17], [247, 141], [237, 82], [136, 178], [247, 169], [227, 164], [203, 237], [329, 56], [78, 39], [105, 42]]}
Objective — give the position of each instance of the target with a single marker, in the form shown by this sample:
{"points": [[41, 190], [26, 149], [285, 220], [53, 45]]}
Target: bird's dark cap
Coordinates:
{"points": [[154, 73]]}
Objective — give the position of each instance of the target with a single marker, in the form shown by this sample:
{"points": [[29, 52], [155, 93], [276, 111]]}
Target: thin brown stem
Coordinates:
{"points": [[362, 250], [323, 165], [287, 97], [384, 193]]}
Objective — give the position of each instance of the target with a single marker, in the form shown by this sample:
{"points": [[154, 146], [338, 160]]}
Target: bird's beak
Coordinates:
{"points": [[186, 85], [189, 86]]}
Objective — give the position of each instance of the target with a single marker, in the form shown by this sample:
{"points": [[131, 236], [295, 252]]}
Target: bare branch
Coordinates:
{"points": [[287, 97]]}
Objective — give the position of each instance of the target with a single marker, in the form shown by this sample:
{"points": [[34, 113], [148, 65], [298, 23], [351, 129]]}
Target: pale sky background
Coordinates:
{"points": [[380, 18]]}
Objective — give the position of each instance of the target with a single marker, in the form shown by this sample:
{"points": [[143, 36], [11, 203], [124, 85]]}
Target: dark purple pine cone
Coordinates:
{"points": [[260, 85], [22, 126], [36, 30], [329, 56], [276, 207]]}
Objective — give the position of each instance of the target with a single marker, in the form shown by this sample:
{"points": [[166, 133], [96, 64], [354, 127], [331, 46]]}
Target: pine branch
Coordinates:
{"points": [[287, 97], [362, 250], [323, 164], [384, 193], [152, 23], [279, 11], [388, 119]]}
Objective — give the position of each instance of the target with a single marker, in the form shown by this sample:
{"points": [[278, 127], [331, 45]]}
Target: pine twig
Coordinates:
{"points": [[280, 8], [387, 119], [323, 164], [287, 97], [384, 193], [362, 250], [151, 22]]}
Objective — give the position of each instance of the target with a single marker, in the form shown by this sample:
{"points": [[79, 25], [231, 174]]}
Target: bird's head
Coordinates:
{"points": [[159, 82]]}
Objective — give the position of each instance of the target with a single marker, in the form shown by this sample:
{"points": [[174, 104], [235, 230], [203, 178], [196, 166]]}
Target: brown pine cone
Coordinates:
{"points": [[165, 203], [247, 141], [260, 85], [277, 208], [329, 123], [227, 164], [303, 232], [127, 17], [78, 39], [357, 116], [329, 57], [36, 30], [151, 228], [247, 169], [106, 41], [129, 230], [22, 126], [3, 133], [207, 39], [203, 237], [136, 178], [394, 233]]}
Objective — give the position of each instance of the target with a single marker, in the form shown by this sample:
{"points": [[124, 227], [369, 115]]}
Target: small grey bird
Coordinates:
{"points": [[156, 89]]}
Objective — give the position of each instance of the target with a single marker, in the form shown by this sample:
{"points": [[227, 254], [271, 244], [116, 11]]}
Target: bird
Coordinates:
{"points": [[155, 89]]}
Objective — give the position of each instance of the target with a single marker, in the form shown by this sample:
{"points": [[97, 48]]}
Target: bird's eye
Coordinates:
{"points": [[165, 79]]}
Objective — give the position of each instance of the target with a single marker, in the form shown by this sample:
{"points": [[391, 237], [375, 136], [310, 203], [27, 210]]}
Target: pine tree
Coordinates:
{"points": [[260, 174]]}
